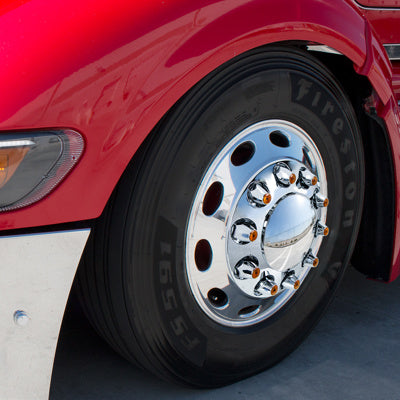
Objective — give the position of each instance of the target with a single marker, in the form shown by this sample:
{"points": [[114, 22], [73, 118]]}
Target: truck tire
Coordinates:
{"points": [[219, 249]]}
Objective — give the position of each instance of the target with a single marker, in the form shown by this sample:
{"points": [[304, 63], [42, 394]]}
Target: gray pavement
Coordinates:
{"points": [[353, 353]]}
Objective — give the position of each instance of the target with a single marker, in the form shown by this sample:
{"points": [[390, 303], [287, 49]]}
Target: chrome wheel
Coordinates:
{"points": [[257, 223]]}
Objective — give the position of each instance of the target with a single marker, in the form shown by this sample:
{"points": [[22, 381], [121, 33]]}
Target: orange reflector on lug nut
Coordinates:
{"points": [[256, 273], [326, 231], [315, 262], [296, 285], [292, 178], [253, 236], [274, 290], [314, 180], [267, 198], [326, 202]]}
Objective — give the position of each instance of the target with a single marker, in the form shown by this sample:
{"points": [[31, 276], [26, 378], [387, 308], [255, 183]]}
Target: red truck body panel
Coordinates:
{"points": [[112, 70]]}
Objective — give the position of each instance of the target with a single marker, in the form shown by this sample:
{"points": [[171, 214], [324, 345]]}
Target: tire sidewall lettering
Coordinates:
{"points": [[345, 147], [179, 326]]}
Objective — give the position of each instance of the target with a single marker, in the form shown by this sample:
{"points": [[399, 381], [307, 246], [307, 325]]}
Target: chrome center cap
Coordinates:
{"points": [[288, 231]]}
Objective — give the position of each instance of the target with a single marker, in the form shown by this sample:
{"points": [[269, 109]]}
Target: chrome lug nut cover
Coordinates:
{"points": [[247, 269], [310, 261], [267, 286], [321, 229], [320, 201], [244, 231], [307, 179], [283, 174], [258, 194], [291, 282], [264, 236]]}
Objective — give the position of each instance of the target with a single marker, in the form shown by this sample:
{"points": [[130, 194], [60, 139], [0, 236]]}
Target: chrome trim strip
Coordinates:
{"points": [[375, 8], [36, 274], [15, 143], [393, 51], [323, 49]]}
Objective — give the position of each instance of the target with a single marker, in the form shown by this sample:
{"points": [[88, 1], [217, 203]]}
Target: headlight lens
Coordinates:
{"points": [[34, 163]]}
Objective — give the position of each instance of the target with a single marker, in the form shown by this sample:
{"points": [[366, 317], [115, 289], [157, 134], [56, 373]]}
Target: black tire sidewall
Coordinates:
{"points": [[285, 85]]}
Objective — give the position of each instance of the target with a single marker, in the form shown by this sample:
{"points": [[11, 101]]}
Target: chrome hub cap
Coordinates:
{"points": [[256, 224]]}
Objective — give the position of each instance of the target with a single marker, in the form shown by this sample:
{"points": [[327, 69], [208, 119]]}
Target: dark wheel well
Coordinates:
{"points": [[373, 252]]}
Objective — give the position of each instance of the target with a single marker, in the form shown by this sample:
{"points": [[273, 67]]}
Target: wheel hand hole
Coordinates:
{"points": [[279, 139], [242, 154], [203, 255], [217, 297], [249, 311], [213, 198]]}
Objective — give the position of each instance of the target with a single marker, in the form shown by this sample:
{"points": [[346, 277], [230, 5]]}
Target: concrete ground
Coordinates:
{"points": [[354, 353]]}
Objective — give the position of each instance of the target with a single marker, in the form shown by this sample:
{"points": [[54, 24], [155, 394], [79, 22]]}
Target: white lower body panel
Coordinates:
{"points": [[36, 274]]}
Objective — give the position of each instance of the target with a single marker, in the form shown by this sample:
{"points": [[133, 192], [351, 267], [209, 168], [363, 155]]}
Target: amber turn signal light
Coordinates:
{"points": [[33, 163], [10, 159]]}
